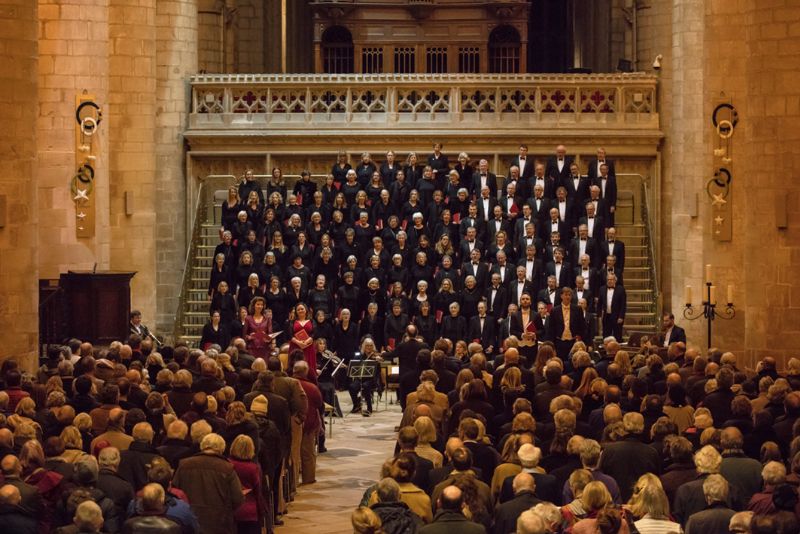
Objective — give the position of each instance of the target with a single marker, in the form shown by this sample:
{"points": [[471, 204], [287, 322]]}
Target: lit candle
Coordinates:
{"points": [[708, 272], [713, 294], [730, 294], [688, 295]]}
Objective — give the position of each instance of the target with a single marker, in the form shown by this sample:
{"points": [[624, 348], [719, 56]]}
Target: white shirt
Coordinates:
{"points": [[603, 182], [484, 180], [560, 164], [520, 288], [599, 162], [609, 297], [539, 181], [486, 209], [554, 226], [529, 269], [590, 224], [582, 246], [611, 248], [522, 165], [667, 335], [558, 271], [586, 277], [562, 210], [492, 297]]}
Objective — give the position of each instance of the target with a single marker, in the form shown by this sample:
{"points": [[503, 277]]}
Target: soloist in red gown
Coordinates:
{"points": [[259, 346], [303, 331]]}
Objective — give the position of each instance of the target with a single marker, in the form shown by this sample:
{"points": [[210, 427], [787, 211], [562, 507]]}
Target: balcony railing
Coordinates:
{"points": [[406, 101]]}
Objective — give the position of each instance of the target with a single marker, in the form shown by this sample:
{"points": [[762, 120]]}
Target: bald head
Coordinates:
{"points": [[116, 418], [6, 438], [422, 410], [731, 438], [524, 482], [452, 445], [10, 466], [511, 356], [452, 498], [9, 495]]}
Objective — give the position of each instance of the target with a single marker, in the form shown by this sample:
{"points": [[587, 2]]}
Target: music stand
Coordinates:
{"points": [[361, 370]]}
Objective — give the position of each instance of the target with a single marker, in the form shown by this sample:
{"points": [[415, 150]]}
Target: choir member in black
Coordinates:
{"points": [[224, 303], [374, 294], [444, 247], [340, 168], [419, 297], [302, 248], [215, 332], [345, 336], [241, 228], [395, 325], [315, 229], [276, 298], [322, 326], [397, 272], [300, 270], [279, 250], [305, 188], [439, 164], [374, 270], [231, 207], [396, 292], [329, 190], [252, 245], [454, 325], [426, 186], [365, 169], [348, 296], [446, 270], [434, 209], [255, 211], [402, 247], [413, 170], [352, 265], [277, 205], [374, 189], [372, 325], [399, 191], [326, 365], [276, 184], [350, 188], [410, 207], [227, 249], [269, 268], [464, 169], [236, 328], [452, 187], [364, 231], [361, 205], [245, 268], [295, 294], [219, 273], [250, 291], [389, 169], [250, 184], [326, 266], [421, 270], [319, 298], [471, 295], [349, 247], [340, 203], [338, 228], [426, 323], [269, 227], [292, 230], [365, 387], [382, 209], [444, 298]]}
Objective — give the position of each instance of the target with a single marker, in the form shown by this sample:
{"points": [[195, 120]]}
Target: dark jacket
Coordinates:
{"points": [[116, 488], [135, 462], [174, 450], [17, 520], [450, 522], [214, 490], [397, 518], [506, 515], [626, 460], [150, 524]]}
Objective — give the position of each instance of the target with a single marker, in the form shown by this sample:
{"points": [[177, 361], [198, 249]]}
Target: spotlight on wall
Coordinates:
{"points": [[657, 62]]}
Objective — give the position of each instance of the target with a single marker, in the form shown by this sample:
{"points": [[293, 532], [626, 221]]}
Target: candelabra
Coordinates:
{"points": [[709, 306]]}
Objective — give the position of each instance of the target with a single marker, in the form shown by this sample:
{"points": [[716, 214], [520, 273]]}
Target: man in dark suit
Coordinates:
{"points": [[566, 324], [594, 165], [590, 275], [522, 163], [608, 192], [503, 268], [534, 268], [612, 304], [546, 490], [671, 332], [525, 218], [584, 244], [611, 267], [628, 459], [560, 269], [553, 224], [506, 515], [577, 186], [470, 243], [475, 267], [504, 324], [496, 297], [498, 223], [540, 204], [585, 304], [482, 327], [483, 178], [581, 292], [550, 295], [406, 351], [595, 225], [558, 166], [542, 321], [547, 182], [407, 439], [522, 186], [508, 202], [472, 220], [483, 455], [520, 286], [613, 247], [485, 201], [567, 212]]}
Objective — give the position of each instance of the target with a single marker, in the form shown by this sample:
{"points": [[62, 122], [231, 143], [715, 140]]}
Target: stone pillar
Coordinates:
{"points": [[73, 57], [19, 313], [132, 112], [176, 58]]}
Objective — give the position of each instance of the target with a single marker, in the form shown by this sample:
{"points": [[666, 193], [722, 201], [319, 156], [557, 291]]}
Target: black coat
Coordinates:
{"points": [[449, 522], [506, 514], [134, 463], [626, 460], [576, 323], [397, 518]]}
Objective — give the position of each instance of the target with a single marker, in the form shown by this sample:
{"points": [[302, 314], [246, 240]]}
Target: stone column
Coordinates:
{"points": [[18, 222], [73, 57], [132, 112], [176, 60]]}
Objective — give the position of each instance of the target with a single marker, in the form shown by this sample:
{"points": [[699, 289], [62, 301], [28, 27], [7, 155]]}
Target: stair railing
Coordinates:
{"points": [[651, 252]]}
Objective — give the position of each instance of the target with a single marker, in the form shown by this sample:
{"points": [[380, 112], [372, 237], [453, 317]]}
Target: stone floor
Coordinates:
{"points": [[355, 454]]}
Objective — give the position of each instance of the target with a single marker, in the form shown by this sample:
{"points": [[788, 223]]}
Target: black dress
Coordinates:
{"points": [[220, 336], [427, 328], [345, 340], [226, 306], [454, 328]]}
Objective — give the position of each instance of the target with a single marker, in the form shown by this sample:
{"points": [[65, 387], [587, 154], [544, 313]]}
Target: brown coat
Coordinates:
{"points": [[289, 389], [213, 488]]}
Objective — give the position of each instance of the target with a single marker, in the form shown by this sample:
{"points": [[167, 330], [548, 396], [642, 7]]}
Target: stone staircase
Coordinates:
{"points": [[642, 313], [195, 304]]}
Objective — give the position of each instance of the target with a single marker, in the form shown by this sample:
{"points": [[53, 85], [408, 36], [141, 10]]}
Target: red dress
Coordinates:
{"points": [[310, 352], [260, 344]]}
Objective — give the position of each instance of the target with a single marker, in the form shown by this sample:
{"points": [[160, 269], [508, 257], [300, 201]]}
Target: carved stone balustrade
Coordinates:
{"points": [[267, 105]]}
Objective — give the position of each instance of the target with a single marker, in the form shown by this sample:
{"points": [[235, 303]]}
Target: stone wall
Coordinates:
{"points": [[176, 58], [18, 194]]}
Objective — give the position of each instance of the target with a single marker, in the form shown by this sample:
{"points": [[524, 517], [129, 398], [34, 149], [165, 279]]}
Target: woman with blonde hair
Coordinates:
{"points": [[623, 360], [649, 507], [575, 511], [511, 387], [402, 471], [595, 499], [426, 432], [365, 521], [509, 467], [584, 388]]}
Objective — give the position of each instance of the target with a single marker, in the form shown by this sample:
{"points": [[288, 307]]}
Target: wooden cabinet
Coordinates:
{"points": [[97, 305]]}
